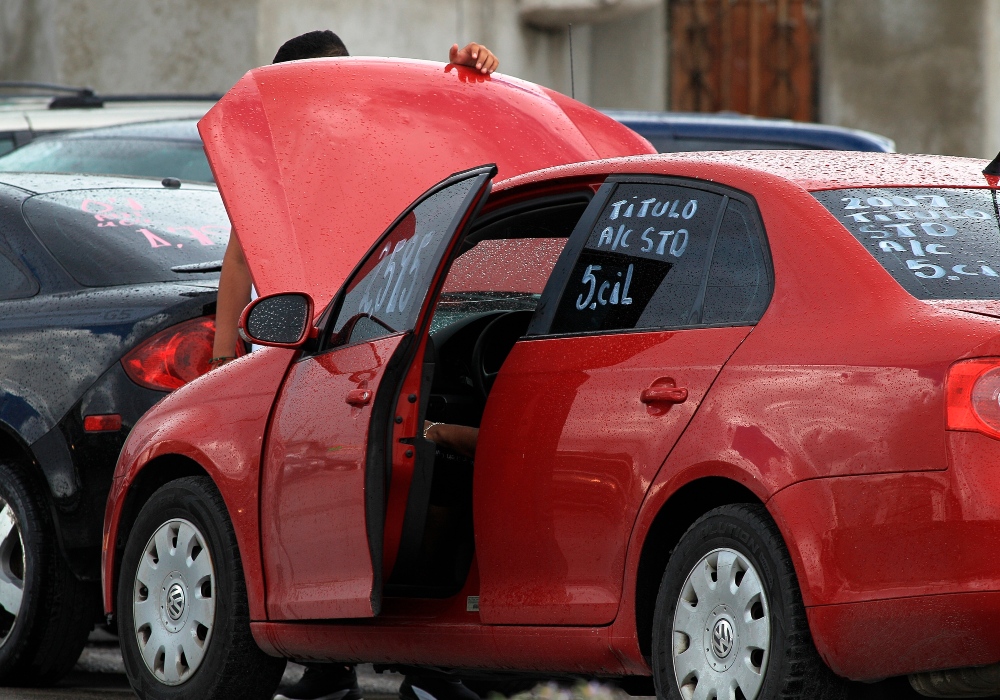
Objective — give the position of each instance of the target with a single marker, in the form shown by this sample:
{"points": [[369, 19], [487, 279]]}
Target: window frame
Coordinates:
{"points": [[12, 258], [555, 289], [328, 319]]}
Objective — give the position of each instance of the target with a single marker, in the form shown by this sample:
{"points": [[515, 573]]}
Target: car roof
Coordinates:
{"points": [[810, 170], [737, 128], [33, 113], [46, 183]]}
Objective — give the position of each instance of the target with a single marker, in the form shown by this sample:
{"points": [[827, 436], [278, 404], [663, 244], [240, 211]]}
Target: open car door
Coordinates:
{"points": [[347, 420]]}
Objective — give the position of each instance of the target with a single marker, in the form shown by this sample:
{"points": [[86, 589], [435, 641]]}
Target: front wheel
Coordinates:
{"points": [[182, 606], [729, 621]]}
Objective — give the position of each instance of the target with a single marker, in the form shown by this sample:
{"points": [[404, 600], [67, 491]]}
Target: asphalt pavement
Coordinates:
{"points": [[100, 675]]}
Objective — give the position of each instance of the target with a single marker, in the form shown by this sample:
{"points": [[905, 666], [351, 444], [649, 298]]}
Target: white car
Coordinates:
{"points": [[24, 115]]}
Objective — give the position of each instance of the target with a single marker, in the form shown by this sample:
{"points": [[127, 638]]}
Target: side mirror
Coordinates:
{"points": [[278, 320]]}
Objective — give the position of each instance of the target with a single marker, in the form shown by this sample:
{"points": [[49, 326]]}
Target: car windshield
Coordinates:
{"points": [[146, 157], [131, 236], [937, 243]]}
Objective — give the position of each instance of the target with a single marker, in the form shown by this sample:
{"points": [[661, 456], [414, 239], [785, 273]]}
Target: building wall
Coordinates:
{"points": [[923, 72], [206, 45]]}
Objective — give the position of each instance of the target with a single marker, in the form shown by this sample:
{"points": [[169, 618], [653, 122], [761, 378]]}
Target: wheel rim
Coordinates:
{"points": [[12, 569], [722, 629], [173, 601]]}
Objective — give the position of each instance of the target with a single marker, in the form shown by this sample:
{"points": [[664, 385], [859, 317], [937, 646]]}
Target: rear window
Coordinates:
{"points": [[937, 243], [184, 160], [130, 236]]}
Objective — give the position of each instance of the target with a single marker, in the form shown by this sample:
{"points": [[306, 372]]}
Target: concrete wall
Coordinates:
{"points": [[129, 45], [206, 45], [924, 72]]}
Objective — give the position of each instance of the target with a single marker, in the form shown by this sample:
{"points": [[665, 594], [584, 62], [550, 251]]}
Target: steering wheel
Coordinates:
{"points": [[494, 344]]}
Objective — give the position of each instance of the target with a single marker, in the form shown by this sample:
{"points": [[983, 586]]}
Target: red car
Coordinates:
{"points": [[737, 412]]}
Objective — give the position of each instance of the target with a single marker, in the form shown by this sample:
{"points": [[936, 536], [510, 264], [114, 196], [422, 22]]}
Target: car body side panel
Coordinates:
{"points": [[316, 558], [916, 566], [292, 147], [232, 404], [584, 650]]}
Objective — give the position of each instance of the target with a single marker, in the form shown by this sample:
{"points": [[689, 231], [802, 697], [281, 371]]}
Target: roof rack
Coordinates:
{"points": [[86, 97]]}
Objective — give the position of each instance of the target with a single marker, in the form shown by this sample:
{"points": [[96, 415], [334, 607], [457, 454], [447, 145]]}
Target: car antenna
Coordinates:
{"points": [[572, 73]]}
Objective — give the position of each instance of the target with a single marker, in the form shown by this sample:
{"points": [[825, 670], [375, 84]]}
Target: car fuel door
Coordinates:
{"points": [[327, 459], [657, 287]]}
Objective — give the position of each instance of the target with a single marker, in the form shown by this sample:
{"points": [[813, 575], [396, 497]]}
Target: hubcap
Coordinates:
{"points": [[173, 601], [12, 568], [722, 629]]}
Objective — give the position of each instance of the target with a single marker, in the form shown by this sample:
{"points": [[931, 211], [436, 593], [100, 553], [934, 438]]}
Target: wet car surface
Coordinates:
{"points": [[95, 327], [731, 407]]}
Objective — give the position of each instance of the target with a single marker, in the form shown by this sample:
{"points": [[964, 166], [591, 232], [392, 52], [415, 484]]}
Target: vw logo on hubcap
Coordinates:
{"points": [[175, 602], [722, 638]]}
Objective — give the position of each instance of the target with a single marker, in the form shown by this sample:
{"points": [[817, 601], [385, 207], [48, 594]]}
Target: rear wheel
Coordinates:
{"points": [[184, 623], [729, 621], [45, 612]]}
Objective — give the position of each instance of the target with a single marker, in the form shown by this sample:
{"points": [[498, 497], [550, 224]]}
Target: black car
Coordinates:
{"points": [[107, 296], [167, 148]]}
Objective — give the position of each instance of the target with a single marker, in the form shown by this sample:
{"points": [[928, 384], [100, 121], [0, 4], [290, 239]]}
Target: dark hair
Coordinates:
{"points": [[317, 44]]}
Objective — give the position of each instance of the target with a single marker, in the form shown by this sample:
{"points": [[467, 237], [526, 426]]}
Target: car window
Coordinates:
{"points": [[739, 285], [385, 296], [937, 243], [643, 263], [130, 236], [6, 143], [14, 283], [671, 144], [159, 158], [506, 274]]}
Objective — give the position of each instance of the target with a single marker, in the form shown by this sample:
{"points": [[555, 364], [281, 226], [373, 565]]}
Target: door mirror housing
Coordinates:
{"points": [[278, 320]]}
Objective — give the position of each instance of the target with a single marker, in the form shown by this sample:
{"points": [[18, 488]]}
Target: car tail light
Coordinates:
{"points": [[973, 396], [172, 358]]}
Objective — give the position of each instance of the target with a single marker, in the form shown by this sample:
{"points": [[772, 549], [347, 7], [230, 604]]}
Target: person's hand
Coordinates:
{"points": [[474, 56]]}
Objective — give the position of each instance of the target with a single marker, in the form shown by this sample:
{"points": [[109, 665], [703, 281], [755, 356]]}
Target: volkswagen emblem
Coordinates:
{"points": [[175, 602], [722, 638]]}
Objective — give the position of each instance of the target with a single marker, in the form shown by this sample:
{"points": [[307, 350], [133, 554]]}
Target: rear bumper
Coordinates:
{"points": [[878, 639], [899, 572]]}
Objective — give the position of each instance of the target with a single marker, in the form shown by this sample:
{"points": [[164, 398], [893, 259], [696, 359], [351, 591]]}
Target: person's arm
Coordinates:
{"points": [[460, 438], [234, 295], [474, 56]]}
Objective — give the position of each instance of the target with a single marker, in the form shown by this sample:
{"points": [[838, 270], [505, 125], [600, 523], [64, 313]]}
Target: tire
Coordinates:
{"points": [[185, 627], [46, 613], [706, 637]]}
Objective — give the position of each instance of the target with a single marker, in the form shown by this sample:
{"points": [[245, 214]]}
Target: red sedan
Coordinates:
{"points": [[734, 416]]}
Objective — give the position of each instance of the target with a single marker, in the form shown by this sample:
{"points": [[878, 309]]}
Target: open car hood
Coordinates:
{"points": [[314, 159]]}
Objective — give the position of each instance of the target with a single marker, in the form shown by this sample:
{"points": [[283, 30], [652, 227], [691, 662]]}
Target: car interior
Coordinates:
{"points": [[485, 307]]}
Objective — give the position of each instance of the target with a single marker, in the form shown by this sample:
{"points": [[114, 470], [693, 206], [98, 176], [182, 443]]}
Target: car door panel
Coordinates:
{"points": [[326, 466], [583, 415], [587, 448], [319, 436]]}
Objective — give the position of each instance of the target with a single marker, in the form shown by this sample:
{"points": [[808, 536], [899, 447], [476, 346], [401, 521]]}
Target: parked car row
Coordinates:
{"points": [[731, 407]]}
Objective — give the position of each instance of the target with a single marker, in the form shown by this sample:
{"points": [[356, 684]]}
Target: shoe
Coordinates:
{"points": [[324, 682], [434, 688]]}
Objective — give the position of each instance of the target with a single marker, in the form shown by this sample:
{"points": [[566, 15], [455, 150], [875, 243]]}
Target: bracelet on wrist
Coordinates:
{"points": [[428, 428], [221, 359]]}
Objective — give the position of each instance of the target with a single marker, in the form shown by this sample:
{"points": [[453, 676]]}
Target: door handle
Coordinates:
{"points": [[664, 394], [359, 397]]}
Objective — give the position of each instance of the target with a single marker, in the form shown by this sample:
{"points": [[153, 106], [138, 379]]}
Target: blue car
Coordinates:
{"points": [[670, 132], [172, 148]]}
